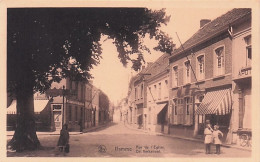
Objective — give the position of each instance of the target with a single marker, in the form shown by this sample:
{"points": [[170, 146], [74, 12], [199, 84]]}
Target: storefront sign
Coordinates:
{"points": [[75, 102], [243, 72]]}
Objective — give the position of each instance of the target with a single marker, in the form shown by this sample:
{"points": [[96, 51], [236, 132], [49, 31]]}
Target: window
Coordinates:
{"points": [[187, 105], [188, 110], [165, 89], [155, 91], [149, 115], [175, 76], [142, 90], [180, 111], [150, 96], [174, 111], [135, 93], [219, 61], [248, 51], [187, 73], [159, 91], [200, 67]]}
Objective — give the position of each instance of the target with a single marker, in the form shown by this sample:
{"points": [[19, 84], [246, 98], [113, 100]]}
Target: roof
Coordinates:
{"points": [[159, 66], [214, 27]]}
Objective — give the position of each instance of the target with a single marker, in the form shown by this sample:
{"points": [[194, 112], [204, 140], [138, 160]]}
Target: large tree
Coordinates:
{"points": [[45, 45]]}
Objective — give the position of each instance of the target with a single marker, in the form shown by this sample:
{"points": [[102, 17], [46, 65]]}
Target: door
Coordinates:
{"points": [[57, 119]]}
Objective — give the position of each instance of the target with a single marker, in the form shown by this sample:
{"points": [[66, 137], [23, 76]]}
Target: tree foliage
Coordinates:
{"points": [[41, 41]]}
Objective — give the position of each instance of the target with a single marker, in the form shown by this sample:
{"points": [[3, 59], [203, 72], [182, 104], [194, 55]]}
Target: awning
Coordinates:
{"points": [[39, 105], [159, 108], [216, 102]]}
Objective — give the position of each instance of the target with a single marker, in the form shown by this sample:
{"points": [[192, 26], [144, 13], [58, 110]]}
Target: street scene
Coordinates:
{"points": [[119, 140], [129, 82]]}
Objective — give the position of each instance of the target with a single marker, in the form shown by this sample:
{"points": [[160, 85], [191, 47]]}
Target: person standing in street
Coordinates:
{"points": [[64, 138], [208, 137], [217, 134]]}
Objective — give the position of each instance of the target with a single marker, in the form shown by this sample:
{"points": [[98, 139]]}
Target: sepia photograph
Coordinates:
{"points": [[107, 80]]}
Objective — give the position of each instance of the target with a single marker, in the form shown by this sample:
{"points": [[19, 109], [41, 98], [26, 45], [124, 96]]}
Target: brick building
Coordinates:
{"points": [[201, 77], [158, 95], [241, 75]]}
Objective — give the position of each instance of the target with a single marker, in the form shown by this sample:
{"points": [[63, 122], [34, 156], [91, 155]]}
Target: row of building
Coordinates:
{"points": [[207, 78], [79, 104]]}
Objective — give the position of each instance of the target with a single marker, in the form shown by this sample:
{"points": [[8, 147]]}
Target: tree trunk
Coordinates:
{"points": [[25, 137]]}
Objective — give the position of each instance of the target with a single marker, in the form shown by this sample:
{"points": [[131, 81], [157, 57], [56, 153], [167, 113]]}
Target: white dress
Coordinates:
{"points": [[208, 136], [215, 137]]}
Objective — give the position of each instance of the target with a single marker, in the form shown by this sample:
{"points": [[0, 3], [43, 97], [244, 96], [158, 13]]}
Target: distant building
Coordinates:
{"points": [[72, 102]]}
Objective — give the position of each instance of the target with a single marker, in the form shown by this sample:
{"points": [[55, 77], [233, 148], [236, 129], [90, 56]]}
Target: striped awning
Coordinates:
{"points": [[216, 102]]}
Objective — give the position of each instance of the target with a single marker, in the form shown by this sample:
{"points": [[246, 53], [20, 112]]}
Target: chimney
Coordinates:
{"points": [[143, 67], [203, 22]]}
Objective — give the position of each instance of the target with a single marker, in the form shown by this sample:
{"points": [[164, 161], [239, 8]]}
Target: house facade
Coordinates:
{"points": [[201, 78], [158, 95], [242, 78]]}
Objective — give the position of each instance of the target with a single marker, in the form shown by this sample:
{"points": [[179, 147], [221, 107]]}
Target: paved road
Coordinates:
{"points": [[120, 141]]}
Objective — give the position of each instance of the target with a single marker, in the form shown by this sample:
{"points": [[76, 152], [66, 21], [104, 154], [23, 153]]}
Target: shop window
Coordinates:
{"points": [[188, 110]]}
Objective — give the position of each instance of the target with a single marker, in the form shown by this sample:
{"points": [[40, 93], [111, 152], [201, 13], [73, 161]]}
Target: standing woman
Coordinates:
{"points": [[217, 134], [208, 137], [64, 137]]}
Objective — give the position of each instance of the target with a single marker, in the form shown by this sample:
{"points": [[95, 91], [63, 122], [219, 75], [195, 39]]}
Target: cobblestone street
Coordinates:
{"points": [[117, 140]]}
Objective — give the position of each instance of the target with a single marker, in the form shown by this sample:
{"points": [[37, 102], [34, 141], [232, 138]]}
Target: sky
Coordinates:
{"points": [[110, 75]]}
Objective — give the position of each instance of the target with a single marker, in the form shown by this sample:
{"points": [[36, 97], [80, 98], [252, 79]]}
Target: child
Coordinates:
{"points": [[208, 137], [217, 141]]}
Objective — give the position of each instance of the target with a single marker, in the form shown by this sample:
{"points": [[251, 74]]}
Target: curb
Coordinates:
{"points": [[189, 139], [71, 133]]}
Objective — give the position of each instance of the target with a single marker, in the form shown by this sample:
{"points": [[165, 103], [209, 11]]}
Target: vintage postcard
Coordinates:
{"points": [[147, 80]]}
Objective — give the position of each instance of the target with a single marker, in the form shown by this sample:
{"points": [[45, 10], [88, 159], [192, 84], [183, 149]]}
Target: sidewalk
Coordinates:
{"points": [[11, 133], [187, 138]]}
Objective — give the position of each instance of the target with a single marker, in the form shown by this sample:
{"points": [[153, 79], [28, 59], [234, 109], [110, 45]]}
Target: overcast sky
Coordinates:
{"points": [[113, 78]]}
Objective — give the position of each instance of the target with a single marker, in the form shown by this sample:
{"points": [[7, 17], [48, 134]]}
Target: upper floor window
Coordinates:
{"points": [[155, 90], [150, 97], [135, 93], [142, 90], [248, 51], [200, 67], [159, 91], [187, 73], [219, 61], [175, 76]]}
